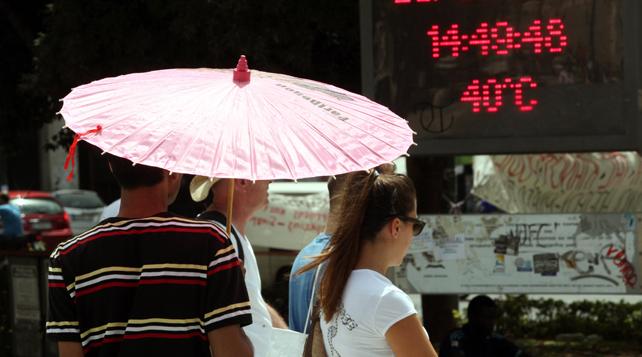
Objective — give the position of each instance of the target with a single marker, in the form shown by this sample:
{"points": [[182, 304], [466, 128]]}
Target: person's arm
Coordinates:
{"points": [[409, 338], [62, 323], [230, 341], [227, 306], [277, 319], [70, 349]]}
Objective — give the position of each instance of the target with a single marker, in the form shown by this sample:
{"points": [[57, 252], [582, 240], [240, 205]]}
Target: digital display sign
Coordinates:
{"points": [[507, 76]]}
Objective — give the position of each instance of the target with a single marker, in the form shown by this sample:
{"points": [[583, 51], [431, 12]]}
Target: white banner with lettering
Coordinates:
{"points": [[563, 253], [560, 183], [289, 221]]}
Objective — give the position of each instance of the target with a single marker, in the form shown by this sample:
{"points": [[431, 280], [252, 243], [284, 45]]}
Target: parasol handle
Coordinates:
{"points": [[230, 204]]}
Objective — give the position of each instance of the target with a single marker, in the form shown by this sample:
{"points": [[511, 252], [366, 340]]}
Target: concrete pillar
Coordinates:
{"points": [[53, 176], [428, 174]]}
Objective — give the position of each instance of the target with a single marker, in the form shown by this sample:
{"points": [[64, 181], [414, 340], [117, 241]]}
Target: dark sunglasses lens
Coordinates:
{"points": [[418, 227]]}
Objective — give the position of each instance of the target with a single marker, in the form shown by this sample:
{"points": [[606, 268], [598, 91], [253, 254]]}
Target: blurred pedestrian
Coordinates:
{"points": [[147, 282], [477, 337], [301, 285], [362, 312], [249, 197], [12, 234]]}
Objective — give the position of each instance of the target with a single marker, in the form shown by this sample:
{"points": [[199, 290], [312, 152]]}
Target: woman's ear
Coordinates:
{"points": [[395, 227]]}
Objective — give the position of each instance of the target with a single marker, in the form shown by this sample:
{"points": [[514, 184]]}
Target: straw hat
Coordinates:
{"points": [[200, 187]]}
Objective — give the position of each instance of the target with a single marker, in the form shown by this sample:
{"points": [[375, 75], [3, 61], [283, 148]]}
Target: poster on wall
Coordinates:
{"points": [[563, 253], [289, 222]]}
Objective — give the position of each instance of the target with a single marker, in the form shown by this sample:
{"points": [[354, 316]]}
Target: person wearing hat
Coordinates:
{"points": [[249, 197]]}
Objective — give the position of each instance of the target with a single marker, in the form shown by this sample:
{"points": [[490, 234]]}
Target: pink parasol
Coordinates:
{"points": [[227, 123], [200, 121]]}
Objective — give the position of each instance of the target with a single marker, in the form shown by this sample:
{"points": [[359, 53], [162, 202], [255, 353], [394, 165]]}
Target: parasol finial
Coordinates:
{"points": [[242, 72]]}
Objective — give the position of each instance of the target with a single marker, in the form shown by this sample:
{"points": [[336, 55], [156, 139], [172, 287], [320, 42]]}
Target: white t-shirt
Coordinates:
{"points": [[371, 304], [111, 210], [260, 331]]}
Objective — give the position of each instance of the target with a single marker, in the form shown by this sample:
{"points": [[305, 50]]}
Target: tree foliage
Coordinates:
{"points": [[20, 22], [91, 39], [546, 318]]}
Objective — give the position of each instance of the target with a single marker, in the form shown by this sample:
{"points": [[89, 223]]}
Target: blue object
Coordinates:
{"points": [[11, 221], [301, 284]]}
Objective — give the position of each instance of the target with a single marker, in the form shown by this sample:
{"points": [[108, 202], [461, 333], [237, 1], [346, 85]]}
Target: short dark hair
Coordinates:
{"points": [[477, 304], [4, 198], [130, 176]]}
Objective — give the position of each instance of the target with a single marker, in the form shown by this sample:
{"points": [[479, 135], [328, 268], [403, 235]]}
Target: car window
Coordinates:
{"points": [[38, 205], [80, 200]]}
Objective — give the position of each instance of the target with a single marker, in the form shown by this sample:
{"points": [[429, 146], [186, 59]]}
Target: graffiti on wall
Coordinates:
{"points": [[561, 183], [289, 221], [567, 253]]}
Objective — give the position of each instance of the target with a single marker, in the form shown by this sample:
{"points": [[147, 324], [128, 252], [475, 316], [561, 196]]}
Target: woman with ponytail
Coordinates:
{"points": [[362, 312]]}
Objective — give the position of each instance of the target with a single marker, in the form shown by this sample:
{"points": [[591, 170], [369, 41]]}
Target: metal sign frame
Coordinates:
{"points": [[518, 140]]}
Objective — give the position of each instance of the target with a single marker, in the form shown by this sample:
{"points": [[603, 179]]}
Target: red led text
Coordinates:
{"points": [[489, 95], [401, 2], [500, 39]]}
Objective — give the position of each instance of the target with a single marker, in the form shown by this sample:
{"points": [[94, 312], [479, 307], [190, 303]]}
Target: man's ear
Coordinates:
{"points": [[175, 177], [241, 184]]}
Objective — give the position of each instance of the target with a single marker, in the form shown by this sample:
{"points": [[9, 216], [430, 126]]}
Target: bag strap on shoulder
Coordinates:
{"points": [[314, 299]]}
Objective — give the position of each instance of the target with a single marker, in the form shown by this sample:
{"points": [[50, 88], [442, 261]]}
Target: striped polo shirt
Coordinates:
{"points": [[146, 287]]}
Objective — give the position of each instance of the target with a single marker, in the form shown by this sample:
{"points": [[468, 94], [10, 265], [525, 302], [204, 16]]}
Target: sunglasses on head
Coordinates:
{"points": [[417, 224]]}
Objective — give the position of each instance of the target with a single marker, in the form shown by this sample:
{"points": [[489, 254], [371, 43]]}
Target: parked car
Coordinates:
{"points": [[42, 216], [83, 206]]}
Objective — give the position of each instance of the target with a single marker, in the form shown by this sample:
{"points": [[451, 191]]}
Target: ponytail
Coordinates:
{"points": [[367, 200]]}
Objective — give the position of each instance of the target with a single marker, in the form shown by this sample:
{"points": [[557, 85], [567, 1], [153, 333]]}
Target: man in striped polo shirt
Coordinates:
{"points": [[148, 283]]}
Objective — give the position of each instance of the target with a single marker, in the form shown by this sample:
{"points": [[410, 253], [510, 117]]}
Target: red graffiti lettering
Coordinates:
{"points": [[629, 276]]}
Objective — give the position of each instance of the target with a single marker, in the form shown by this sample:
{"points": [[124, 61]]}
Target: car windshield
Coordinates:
{"points": [[38, 205], [83, 199]]}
